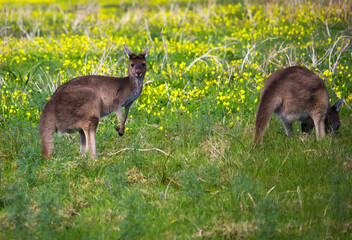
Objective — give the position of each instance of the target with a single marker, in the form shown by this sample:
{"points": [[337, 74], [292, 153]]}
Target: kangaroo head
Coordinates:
{"points": [[332, 121], [137, 67]]}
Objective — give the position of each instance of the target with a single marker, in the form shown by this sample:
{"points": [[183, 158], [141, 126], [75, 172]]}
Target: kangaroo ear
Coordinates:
{"points": [[145, 52], [337, 105], [128, 51]]}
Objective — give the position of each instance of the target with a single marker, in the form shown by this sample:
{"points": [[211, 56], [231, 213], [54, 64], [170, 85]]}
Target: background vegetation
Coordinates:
{"points": [[186, 166]]}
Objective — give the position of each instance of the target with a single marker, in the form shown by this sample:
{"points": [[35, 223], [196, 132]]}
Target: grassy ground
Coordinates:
{"points": [[186, 166]]}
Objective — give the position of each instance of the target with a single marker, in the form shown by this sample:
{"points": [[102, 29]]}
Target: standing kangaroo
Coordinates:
{"points": [[78, 104], [296, 93]]}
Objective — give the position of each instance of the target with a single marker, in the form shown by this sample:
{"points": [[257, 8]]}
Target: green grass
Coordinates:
{"points": [[186, 166]]}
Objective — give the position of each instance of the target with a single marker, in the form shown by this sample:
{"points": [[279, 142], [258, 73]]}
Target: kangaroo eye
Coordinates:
{"points": [[132, 65], [143, 64]]}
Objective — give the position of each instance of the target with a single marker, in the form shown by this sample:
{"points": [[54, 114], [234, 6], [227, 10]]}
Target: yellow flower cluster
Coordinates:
{"points": [[215, 55], [16, 104]]}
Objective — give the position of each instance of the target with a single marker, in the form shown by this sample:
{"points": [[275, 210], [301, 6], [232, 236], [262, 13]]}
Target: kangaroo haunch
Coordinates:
{"points": [[296, 93], [78, 104]]}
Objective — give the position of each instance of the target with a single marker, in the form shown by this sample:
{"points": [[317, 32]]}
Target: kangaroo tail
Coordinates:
{"points": [[46, 132], [265, 110]]}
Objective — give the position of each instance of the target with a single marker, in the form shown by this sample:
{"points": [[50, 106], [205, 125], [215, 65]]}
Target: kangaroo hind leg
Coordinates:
{"points": [[319, 126], [83, 141], [90, 135]]}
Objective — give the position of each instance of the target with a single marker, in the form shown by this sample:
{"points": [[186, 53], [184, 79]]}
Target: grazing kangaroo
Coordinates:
{"points": [[296, 93], [78, 104]]}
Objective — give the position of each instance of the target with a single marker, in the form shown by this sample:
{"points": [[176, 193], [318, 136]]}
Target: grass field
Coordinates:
{"points": [[186, 166]]}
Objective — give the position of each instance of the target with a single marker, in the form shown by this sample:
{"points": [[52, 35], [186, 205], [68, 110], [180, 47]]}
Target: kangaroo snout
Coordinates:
{"points": [[139, 74], [119, 130], [335, 127]]}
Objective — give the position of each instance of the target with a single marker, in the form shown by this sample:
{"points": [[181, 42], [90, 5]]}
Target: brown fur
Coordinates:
{"points": [[78, 104], [296, 93]]}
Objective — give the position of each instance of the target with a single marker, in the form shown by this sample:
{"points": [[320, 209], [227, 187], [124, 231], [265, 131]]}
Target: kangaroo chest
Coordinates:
{"points": [[131, 98]]}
